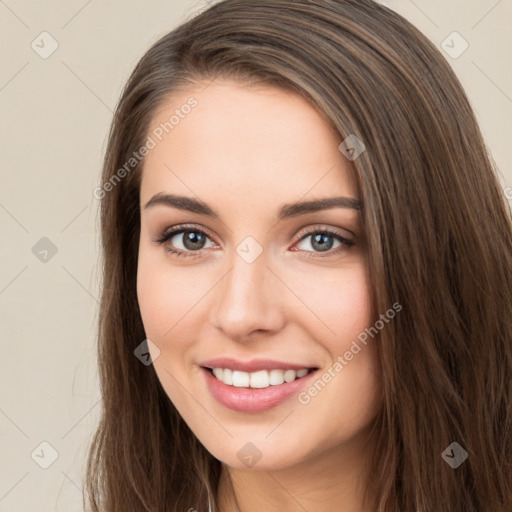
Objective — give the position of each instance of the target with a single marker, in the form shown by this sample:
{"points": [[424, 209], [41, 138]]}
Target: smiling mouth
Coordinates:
{"points": [[258, 380]]}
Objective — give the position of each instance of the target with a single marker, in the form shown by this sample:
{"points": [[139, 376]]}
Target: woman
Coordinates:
{"points": [[305, 236]]}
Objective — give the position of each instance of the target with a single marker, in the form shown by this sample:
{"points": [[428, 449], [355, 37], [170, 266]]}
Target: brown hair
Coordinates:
{"points": [[439, 240]]}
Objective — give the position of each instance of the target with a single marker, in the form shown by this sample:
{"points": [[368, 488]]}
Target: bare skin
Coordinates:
{"points": [[246, 152]]}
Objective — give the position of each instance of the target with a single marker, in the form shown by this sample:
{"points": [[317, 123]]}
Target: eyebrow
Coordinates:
{"points": [[286, 211]]}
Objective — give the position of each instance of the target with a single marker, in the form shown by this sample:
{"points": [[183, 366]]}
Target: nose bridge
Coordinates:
{"points": [[245, 299]]}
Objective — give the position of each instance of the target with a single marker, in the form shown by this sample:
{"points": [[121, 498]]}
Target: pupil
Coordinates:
{"points": [[193, 240], [320, 239]]}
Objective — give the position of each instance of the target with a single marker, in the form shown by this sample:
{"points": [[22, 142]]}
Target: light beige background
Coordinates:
{"points": [[55, 113]]}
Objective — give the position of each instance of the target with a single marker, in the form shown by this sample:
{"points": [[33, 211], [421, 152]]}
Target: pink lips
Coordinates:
{"points": [[251, 400], [253, 365]]}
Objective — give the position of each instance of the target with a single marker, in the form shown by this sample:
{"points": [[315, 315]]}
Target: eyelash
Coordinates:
{"points": [[168, 234]]}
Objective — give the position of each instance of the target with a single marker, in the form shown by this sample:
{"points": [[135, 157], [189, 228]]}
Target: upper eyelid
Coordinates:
{"points": [[320, 229], [180, 228]]}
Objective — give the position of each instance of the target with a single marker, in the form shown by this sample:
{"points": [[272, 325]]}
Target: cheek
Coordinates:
{"points": [[165, 294], [350, 309], [339, 300], [153, 302], [166, 300], [350, 313], [348, 395]]}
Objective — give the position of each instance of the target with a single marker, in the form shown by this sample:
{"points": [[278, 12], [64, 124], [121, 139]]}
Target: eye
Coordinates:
{"points": [[185, 240], [189, 241], [322, 241]]}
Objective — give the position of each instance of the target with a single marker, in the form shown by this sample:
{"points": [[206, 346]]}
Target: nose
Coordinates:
{"points": [[247, 300]]}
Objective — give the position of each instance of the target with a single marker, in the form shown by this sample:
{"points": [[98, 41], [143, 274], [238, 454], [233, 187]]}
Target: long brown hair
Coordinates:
{"points": [[439, 240]]}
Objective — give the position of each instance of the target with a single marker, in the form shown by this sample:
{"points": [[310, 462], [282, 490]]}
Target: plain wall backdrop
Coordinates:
{"points": [[63, 65]]}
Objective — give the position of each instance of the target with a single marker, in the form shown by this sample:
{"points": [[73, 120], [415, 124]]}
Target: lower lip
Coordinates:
{"points": [[253, 399]]}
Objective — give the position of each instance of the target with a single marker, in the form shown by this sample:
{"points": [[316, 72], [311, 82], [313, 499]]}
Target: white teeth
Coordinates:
{"points": [[289, 375], [276, 377], [227, 376], [259, 379], [240, 379]]}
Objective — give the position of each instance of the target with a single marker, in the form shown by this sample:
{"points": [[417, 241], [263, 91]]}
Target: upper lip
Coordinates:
{"points": [[253, 365]]}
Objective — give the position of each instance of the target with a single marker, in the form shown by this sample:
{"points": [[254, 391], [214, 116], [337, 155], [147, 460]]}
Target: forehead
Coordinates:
{"points": [[244, 144]]}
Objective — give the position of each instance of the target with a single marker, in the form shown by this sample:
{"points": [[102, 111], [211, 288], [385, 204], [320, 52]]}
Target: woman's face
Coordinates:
{"points": [[262, 285]]}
